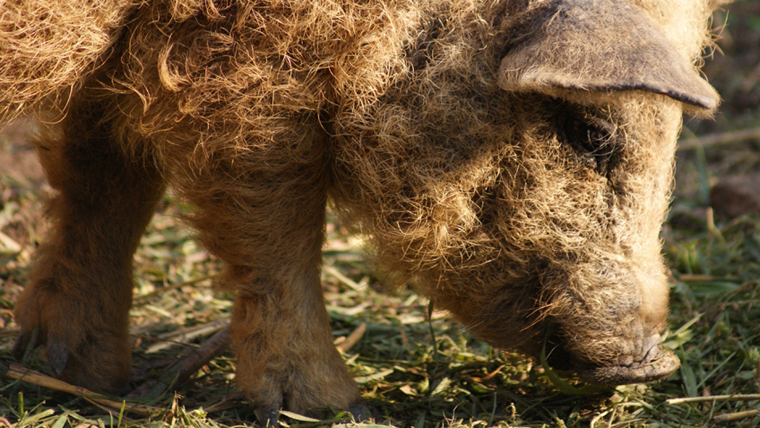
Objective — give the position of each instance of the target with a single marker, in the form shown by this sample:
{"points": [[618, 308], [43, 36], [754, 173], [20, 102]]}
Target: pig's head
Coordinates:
{"points": [[521, 172]]}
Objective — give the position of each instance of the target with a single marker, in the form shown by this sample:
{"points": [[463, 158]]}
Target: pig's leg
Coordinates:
{"points": [[263, 212], [80, 289]]}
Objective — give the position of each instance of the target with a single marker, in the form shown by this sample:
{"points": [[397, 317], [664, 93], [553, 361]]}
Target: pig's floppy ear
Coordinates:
{"points": [[599, 45]]}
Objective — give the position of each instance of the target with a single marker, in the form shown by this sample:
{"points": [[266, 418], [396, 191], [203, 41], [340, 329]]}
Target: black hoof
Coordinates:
{"points": [[57, 353], [267, 417], [360, 412]]}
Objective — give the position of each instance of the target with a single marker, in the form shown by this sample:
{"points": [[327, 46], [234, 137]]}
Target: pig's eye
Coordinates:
{"points": [[591, 138]]}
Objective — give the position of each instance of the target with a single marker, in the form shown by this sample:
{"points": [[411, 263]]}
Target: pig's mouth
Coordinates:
{"points": [[652, 364]]}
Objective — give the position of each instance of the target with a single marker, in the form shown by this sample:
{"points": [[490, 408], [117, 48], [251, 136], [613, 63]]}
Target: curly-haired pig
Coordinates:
{"points": [[512, 159]]}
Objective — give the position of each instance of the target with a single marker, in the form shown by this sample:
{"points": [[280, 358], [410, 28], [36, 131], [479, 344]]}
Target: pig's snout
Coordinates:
{"points": [[654, 362], [606, 321], [649, 362]]}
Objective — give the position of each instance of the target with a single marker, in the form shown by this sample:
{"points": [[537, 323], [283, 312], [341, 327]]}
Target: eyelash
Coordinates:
{"points": [[592, 138]]}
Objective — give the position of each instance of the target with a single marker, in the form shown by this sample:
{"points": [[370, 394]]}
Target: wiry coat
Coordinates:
{"points": [[513, 158]]}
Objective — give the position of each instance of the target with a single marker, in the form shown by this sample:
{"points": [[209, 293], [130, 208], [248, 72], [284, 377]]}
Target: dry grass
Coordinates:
{"points": [[406, 378]]}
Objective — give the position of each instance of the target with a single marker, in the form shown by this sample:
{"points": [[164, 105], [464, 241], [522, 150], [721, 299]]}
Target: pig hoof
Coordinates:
{"points": [[360, 412], [267, 416], [98, 365], [58, 354], [57, 351], [657, 364]]}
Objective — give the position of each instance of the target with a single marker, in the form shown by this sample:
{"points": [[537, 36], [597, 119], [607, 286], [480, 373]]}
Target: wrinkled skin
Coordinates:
{"points": [[512, 159]]}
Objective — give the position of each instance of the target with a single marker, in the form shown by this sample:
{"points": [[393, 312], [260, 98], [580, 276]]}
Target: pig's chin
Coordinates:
{"points": [[652, 364]]}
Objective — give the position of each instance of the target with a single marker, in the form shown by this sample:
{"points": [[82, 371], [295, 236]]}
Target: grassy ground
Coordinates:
{"points": [[408, 379]]}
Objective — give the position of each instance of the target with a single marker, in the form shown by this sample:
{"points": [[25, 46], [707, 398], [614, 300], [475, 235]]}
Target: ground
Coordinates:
{"points": [[415, 372]]}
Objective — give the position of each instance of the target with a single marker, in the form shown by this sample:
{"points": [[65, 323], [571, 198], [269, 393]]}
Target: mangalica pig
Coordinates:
{"points": [[510, 158]]}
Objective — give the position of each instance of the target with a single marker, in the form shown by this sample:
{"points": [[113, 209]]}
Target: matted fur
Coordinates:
{"points": [[258, 112]]}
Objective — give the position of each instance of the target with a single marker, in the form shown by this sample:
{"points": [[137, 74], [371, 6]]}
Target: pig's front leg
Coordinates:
{"points": [[262, 211]]}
